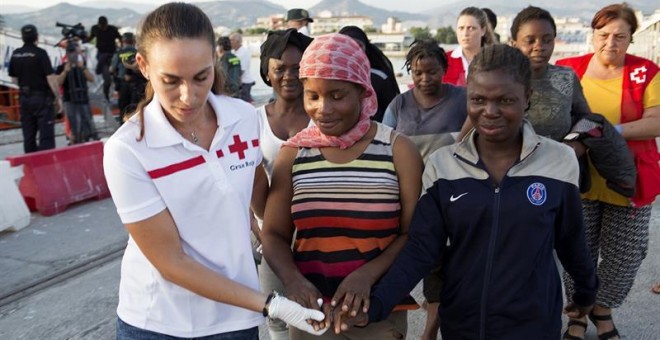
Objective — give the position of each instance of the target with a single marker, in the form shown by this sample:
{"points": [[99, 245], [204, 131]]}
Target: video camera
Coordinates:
{"points": [[73, 31]]}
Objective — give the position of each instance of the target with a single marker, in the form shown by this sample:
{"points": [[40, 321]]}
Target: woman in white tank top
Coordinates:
{"points": [[280, 119]]}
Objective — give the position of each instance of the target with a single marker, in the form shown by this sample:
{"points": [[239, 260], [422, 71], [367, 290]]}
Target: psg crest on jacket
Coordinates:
{"points": [[536, 193]]}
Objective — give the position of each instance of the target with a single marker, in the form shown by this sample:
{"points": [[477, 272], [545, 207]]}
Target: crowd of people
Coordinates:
{"points": [[353, 192]]}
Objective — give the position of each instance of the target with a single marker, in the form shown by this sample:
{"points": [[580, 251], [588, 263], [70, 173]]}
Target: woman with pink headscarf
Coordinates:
{"points": [[347, 186]]}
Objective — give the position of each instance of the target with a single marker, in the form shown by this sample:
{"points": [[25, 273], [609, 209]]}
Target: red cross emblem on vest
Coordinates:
{"points": [[638, 75], [238, 147]]}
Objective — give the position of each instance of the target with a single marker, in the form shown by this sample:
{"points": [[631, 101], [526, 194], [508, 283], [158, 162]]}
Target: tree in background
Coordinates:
{"points": [[420, 33], [255, 31], [446, 35]]}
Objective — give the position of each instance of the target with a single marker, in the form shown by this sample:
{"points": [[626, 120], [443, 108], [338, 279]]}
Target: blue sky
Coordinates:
{"points": [[399, 5]]}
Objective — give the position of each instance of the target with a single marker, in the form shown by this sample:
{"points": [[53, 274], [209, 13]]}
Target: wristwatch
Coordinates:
{"points": [[572, 136], [270, 298]]}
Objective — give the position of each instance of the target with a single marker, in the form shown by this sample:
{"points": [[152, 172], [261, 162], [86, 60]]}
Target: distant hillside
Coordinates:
{"points": [[66, 13], [101, 4], [355, 7], [236, 14], [232, 14], [10, 9], [446, 14]]}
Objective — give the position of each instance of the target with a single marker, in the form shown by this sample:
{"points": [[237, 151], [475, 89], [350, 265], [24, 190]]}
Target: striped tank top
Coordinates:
{"points": [[345, 214]]}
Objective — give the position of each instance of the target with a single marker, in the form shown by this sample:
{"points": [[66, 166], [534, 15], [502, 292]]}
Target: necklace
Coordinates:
{"points": [[194, 138]]}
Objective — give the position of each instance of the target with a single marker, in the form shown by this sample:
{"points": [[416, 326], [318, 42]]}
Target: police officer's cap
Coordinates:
{"points": [[298, 14], [28, 30], [128, 36]]}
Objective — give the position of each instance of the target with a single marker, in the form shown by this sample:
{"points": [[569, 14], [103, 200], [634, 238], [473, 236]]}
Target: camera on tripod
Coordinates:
{"points": [[73, 31], [72, 34]]}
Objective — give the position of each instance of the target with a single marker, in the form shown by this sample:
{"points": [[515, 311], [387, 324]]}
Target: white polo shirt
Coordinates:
{"points": [[243, 53], [208, 195]]}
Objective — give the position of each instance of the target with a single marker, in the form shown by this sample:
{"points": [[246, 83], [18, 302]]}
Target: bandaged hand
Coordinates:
{"points": [[295, 315]]}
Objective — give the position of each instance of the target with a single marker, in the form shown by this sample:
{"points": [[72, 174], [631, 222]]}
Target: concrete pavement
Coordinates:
{"points": [[83, 307]]}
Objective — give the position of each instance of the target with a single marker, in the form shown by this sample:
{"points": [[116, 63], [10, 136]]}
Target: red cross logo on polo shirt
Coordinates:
{"points": [[239, 147]]}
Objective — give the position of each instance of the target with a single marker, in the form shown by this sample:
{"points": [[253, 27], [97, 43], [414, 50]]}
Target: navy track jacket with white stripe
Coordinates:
{"points": [[495, 243]]}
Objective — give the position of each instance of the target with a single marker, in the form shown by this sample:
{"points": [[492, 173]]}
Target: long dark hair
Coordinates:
{"points": [[175, 20]]}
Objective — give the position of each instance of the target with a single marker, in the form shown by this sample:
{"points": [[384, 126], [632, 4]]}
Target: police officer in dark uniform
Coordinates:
{"points": [[131, 81], [30, 68]]}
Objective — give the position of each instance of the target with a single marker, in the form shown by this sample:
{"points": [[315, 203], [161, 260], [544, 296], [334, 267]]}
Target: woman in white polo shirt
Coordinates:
{"points": [[181, 173]]}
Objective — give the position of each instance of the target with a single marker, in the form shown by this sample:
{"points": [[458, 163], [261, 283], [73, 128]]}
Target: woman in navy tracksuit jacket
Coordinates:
{"points": [[493, 209]]}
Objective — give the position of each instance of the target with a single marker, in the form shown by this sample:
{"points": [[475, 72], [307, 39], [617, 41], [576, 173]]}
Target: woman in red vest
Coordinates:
{"points": [[473, 31], [626, 90]]}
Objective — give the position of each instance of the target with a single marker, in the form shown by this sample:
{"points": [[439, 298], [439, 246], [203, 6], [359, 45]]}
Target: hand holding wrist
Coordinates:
{"points": [[279, 307]]}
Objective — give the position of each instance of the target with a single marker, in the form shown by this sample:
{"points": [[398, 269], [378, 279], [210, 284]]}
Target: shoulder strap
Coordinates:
{"points": [[395, 134], [578, 64]]}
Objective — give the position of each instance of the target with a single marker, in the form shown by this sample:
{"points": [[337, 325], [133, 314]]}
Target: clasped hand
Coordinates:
{"points": [[305, 294], [347, 308], [350, 304]]}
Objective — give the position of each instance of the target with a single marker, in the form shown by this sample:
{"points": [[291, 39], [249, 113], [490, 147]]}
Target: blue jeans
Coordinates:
{"points": [[80, 122], [128, 332], [103, 68]]}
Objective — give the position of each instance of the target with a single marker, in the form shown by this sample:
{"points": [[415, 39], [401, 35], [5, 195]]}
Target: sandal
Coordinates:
{"points": [[579, 323], [597, 318], [656, 288]]}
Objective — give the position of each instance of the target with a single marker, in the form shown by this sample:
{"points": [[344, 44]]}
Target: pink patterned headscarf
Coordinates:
{"points": [[337, 57]]}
